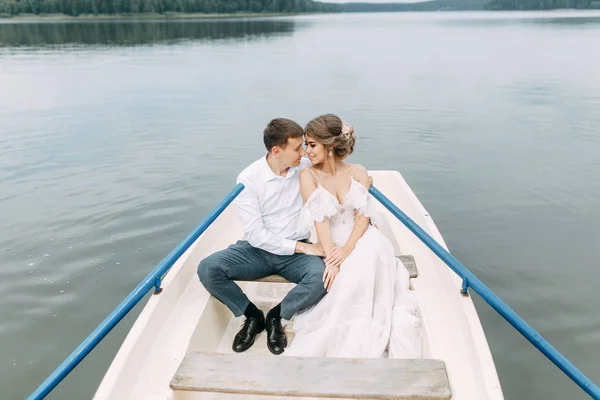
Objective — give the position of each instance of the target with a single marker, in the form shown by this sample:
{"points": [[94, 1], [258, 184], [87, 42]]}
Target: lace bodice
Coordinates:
{"points": [[322, 203]]}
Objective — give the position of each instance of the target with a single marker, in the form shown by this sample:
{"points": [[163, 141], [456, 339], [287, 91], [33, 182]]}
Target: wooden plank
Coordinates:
{"points": [[273, 279], [407, 260], [382, 378], [409, 264]]}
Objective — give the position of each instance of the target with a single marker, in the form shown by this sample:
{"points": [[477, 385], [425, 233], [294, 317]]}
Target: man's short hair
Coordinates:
{"points": [[279, 130]]}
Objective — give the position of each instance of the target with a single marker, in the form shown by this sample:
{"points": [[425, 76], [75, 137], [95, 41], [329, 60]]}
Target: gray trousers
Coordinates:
{"points": [[242, 262]]}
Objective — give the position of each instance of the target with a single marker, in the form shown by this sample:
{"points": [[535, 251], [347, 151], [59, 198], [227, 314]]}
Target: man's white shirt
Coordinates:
{"points": [[269, 207]]}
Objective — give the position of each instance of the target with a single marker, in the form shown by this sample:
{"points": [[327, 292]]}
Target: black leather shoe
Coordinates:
{"points": [[246, 336], [276, 339]]}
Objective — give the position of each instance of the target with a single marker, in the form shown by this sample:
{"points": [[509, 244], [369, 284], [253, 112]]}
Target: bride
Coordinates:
{"points": [[369, 311]]}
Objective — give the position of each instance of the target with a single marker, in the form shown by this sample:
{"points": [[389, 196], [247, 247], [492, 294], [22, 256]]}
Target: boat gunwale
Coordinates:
{"points": [[403, 189]]}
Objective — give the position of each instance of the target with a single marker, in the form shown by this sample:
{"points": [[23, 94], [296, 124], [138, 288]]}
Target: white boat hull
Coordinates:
{"points": [[185, 318]]}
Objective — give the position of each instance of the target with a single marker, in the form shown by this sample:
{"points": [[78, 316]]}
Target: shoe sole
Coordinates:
{"points": [[251, 343]]}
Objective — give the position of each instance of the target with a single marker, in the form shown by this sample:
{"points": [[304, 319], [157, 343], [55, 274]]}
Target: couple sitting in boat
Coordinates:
{"points": [[352, 296]]}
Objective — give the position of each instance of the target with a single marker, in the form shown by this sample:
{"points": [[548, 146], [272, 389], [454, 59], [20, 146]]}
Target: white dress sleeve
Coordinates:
{"points": [[320, 205], [364, 203]]}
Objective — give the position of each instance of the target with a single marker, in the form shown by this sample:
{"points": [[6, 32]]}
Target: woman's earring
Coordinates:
{"points": [[330, 153]]}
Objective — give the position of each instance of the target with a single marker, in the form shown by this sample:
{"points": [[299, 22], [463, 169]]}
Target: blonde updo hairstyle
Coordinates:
{"points": [[333, 133]]}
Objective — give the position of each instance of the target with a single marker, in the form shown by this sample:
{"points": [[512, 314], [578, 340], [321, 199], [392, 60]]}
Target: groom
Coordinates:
{"points": [[269, 207]]}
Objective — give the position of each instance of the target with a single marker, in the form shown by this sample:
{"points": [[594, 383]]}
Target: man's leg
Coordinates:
{"points": [[217, 272], [241, 262], [307, 272]]}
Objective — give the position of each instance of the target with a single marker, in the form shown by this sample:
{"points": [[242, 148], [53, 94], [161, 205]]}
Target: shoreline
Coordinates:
{"points": [[204, 16], [141, 16]]}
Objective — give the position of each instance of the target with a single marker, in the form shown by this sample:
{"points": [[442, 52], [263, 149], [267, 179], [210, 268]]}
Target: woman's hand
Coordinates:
{"points": [[336, 257], [329, 276]]}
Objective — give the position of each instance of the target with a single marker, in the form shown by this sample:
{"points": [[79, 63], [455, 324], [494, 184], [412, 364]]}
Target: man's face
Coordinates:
{"points": [[291, 155]]}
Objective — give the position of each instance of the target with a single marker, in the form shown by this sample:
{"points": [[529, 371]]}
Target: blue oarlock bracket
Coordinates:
{"points": [[157, 288], [465, 287]]}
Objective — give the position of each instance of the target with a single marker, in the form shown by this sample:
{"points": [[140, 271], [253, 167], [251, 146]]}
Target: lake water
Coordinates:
{"points": [[117, 138]]}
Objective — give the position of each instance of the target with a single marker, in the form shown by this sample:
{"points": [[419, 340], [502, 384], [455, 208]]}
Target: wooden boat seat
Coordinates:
{"points": [[423, 379], [407, 260]]}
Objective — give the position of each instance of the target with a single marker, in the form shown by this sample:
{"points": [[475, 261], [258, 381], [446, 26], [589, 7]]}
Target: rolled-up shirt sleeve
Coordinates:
{"points": [[257, 235]]}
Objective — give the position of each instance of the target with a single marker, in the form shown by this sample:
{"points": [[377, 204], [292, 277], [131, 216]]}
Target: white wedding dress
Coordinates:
{"points": [[370, 312]]}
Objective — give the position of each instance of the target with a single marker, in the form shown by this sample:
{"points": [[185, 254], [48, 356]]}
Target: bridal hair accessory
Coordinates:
{"points": [[346, 129]]}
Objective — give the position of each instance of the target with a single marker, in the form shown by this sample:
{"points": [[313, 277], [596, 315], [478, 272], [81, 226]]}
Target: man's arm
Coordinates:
{"points": [[257, 235]]}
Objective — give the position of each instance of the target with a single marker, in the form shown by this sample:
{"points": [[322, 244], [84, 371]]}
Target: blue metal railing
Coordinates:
{"points": [[152, 280], [470, 280]]}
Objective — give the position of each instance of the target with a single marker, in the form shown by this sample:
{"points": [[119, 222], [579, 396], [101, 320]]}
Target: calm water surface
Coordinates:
{"points": [[117, 138]]}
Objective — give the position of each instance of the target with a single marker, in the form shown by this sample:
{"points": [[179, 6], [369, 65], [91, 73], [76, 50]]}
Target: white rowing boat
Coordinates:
{"points": [[180, 345]]}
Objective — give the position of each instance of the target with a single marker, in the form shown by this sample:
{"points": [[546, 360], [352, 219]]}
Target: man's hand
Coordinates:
{"points": [[310, 249]]}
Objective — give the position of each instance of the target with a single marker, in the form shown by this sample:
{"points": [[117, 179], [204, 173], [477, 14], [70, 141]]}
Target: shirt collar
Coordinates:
{"points": [[268, 174]]}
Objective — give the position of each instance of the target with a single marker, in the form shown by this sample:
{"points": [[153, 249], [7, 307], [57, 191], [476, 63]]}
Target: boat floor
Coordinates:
{"points": [[265, 296], [260, 344]]}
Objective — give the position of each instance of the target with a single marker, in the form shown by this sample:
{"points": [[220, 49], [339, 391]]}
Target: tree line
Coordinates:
{"points": [[541, 4], [444, 5], [112, 7], [109, 7]]}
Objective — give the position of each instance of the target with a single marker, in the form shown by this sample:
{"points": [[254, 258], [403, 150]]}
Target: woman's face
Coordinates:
{"points": [[317, 153]]}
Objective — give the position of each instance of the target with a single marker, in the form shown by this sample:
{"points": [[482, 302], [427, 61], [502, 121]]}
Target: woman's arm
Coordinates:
{"points": [[307, 187], [361, 222]]}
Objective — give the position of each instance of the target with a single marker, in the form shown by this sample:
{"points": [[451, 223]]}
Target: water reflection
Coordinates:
{"points": [[132, 33], [580, 22], [493, 19]]}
